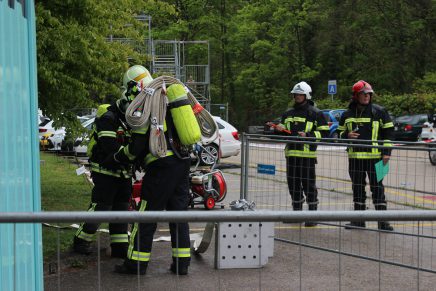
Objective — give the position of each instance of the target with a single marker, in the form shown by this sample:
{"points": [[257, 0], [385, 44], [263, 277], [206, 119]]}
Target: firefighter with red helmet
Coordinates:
{"points": [[303, 120], [366, 121], [112, 182]]}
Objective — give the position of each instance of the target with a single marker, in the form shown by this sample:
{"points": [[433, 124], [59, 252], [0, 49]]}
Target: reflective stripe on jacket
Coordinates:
{"points": [[308, 119], [373, 123]]}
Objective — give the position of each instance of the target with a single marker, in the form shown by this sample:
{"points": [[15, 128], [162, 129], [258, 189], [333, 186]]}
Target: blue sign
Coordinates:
{"points": [[266, 169], [332, 87]]}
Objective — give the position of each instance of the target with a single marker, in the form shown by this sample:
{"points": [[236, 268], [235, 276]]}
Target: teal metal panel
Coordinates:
{"points": [[20, 244]]}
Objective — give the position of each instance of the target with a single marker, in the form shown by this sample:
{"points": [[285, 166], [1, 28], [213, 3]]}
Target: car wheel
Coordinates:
{"points": [[206, 158], [432, 156]]}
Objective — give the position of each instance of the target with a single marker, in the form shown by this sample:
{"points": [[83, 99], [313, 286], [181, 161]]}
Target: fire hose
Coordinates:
{"points": [[148, 110]]}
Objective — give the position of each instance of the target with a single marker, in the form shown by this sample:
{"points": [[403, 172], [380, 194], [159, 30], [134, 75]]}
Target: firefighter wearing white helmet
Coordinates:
{"points": [[303, 120], [302, 88]]}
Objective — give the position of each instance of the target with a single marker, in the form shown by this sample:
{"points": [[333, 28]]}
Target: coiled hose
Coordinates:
{"points": [[148, 109]]}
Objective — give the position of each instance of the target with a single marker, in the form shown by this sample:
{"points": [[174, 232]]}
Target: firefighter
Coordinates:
{"points": [[165, 186], [365, 120], [303, 120], [112, 182]]}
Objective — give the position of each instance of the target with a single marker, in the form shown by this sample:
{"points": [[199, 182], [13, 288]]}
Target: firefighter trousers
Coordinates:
{"points": [[300, 173], [109, 193], [165, 186], [359, 169]]}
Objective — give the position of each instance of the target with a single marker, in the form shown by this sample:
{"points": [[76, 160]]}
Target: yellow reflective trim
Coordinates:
{"points": [[119, 173], [140, 256], [309, 126], [127, 153], [375, 127], [119, 238], [86, 236], [289, 119], [106, 133], [299, 119], [323, 127], [79, 230], [140, 77], [130, 251], [181, 252], [388, 125], [149, 158], [301, 154], [363, 155], [142, 130], [341, 127], [317, 135]]}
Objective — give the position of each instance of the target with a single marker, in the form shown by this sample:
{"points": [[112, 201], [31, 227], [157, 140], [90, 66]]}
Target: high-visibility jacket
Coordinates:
{"points": [[372, 123], [306, 118], [110, 133]]}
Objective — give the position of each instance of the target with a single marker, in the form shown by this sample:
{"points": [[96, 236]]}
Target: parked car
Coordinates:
{"points": [[50, 138], [333, 116], [409, 127], [227, 145], [80, 145]]}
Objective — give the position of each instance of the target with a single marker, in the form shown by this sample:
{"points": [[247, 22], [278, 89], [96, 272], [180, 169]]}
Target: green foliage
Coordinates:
{"points": [[408, 103], [61, 190], [259, 49]]}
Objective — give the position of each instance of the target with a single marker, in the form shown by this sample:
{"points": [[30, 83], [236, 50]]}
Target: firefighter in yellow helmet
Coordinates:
{"points": [[112, 181], [303, 120], [165, 186]]}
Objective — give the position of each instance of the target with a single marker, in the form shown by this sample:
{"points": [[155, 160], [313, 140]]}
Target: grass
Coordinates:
{"points": [[61, 190]]}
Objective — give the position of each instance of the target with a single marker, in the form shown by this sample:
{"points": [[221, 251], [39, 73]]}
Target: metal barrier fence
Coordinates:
{"points": [[293, 267], [410, 184]]}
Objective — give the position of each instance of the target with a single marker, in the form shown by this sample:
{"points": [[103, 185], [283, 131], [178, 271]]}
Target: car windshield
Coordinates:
{"points": [[412, 119]]}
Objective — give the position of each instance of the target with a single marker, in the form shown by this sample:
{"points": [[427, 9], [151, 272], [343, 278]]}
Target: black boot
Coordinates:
{"points": [[131, 267], [82, 246], [119, 250], [354, 224], [312, 207], [180, 266], [383, 225]]}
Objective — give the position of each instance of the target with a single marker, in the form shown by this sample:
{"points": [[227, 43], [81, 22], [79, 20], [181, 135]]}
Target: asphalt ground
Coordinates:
{"points": [[325, 257]]}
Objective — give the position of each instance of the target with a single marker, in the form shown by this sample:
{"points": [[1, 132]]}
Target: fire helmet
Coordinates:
{"points": [[138, 74], [362, 86], [302, 88]]}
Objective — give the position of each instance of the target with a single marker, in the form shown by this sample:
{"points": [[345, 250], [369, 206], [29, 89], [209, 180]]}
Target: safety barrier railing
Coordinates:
{"points": [[293, 267], [409, 185]]}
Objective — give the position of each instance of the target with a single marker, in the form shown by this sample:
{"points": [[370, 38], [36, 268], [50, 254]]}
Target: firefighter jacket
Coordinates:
{"points": [[373, 123], [306, 118], [110, 133], [137, 151]]}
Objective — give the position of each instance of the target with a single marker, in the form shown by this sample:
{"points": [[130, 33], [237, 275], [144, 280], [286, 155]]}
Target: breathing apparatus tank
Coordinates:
{"points": [[184, 119]]}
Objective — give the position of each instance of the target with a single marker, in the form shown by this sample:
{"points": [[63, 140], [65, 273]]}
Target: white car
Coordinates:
{"points": [[81, 143], [50, 138], [225, 146]]}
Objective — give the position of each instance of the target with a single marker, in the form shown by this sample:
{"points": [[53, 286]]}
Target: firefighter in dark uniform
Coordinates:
{"points": [[112, 182], [365, 120], [303, 120], [165, 186]]}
